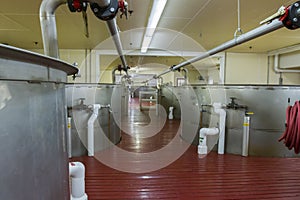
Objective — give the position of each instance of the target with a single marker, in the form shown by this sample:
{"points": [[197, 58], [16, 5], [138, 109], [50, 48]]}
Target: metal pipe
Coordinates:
{"points": [[112, 26], [262, 30], [113, 73], [186, 74], [48, 26]]}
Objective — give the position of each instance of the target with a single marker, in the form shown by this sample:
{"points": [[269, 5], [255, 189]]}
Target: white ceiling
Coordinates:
{"points": [[185, 25]]}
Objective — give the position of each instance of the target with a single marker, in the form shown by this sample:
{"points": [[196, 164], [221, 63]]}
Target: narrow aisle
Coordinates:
{"points": [[144, 131]]}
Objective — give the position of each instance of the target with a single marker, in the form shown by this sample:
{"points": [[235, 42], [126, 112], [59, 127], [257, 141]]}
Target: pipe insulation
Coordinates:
{"points": [[291, 135], [262, 30], [77, 176]]}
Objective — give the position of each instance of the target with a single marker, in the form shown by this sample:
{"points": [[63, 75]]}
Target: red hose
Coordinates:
{"points": [[291, 135]]}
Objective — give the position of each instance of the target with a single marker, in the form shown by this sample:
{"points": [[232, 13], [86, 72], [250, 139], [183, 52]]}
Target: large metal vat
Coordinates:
{"points": [[33, 159]]}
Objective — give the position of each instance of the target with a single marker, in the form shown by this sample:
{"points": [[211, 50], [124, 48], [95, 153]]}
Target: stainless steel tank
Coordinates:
{"points": [[33, 159]]}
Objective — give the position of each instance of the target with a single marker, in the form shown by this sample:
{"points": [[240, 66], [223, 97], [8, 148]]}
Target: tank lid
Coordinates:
{"points": [[14, 53]]}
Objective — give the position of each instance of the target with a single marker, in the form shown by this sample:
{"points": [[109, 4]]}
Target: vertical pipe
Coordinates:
{"points": [[69, 135], [48, 26], [246, 130], [91, 134]]}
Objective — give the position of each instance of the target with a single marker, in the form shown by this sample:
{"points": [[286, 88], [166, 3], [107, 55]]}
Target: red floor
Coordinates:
{"points": [[212, 177]]}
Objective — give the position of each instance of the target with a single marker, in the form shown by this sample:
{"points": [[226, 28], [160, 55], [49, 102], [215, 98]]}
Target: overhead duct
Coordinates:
{"points": [[103, 9], [290, 18]]}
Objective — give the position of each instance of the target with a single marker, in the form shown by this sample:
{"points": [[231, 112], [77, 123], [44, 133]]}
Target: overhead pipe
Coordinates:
{"points": [[48, 26], [103, 9], [112, 26], [290, 19]]}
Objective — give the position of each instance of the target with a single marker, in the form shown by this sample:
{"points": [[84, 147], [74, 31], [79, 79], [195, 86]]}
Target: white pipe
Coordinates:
{"points": [[204, 132], [280, 70], [69, 137], [92, 119], [222, 121], [202, 147], [77, 174]]}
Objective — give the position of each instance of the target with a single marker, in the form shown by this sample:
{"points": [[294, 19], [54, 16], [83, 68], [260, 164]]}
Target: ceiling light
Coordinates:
{"points": [[155, 15]]}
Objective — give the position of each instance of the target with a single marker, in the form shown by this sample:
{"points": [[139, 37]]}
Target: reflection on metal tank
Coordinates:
{"points": [[267, 124], [33, 158], [106, 128]]}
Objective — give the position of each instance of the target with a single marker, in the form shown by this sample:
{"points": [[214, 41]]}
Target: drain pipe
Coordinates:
{"points": [[77, 174], [95, 108], [204, 132], [290, 19]]}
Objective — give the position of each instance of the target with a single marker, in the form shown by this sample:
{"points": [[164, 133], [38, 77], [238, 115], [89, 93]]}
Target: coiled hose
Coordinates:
{"points": [[291, 135]]}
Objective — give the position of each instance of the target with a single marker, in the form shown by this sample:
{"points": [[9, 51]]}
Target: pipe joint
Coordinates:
{"points": [[105, 13]]}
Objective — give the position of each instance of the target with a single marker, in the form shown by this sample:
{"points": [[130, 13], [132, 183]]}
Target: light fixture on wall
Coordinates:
{"points": [[155, 15]]}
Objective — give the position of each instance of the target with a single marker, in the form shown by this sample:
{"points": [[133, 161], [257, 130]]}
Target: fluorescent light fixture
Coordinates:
{"points": [[156, 12]]}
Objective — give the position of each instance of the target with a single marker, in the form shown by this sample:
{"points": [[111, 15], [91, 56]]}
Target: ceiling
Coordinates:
{"points": [[185, 26]]}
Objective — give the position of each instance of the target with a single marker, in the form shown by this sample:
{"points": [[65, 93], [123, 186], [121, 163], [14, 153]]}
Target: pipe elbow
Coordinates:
{"points": [[76, 170], [208, 131]]}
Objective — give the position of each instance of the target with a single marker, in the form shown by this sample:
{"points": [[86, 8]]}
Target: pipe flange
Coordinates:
{"points": [[291, 19], [107, 13]]}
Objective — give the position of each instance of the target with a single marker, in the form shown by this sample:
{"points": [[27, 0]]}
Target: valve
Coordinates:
{"points": [[291, 18], [77, 5], [123, 7]]}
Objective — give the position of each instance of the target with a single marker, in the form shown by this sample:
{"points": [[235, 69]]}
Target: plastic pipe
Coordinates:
{"points": [[92, 119], [246, 130], [69, 137], [222, 121], [204, 132], [77, 175]]}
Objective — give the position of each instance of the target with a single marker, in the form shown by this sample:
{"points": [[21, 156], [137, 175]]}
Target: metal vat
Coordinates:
{"points": [[33, 160]]}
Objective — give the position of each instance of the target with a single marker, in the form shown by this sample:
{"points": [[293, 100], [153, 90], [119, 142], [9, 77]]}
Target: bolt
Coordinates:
{"points": [[296, 5], [295, 19], [96, 10], [112, 10]]}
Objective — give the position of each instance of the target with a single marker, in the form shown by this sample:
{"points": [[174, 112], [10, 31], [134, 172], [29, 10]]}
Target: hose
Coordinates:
{"points": [[291, 135]]}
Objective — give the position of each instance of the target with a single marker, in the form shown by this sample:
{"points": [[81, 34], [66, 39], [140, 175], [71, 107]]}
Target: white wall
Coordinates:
{"points": [[241, 68]]}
